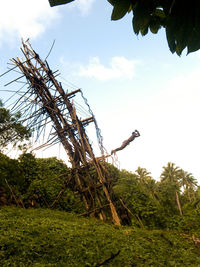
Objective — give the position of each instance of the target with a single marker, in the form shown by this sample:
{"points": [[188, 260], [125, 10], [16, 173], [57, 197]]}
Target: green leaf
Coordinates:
{"points": [[136, 26], [194, 37], [120, 9], [193, 44], [170, 40], [141, 23], [154, 27], [59, 2], [144, 30], [159, 13]]}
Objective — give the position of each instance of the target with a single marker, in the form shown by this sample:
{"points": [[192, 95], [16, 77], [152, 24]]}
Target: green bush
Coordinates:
{"points": [[46, 180], [11, 177], [138, 198], [36, 183]]}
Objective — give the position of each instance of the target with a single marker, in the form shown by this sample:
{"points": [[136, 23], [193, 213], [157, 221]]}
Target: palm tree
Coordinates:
{"points": [[171, 174], [143, 175], [188, 183], [149, 183]]}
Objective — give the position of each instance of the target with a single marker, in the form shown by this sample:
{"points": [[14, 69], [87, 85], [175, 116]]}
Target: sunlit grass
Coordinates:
{"points": [[42, 237]]}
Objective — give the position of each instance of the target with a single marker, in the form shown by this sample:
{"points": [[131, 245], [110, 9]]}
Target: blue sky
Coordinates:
{"points": [[131, 82]]}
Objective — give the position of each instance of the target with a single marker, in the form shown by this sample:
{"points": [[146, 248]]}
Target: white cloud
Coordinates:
{"points": [[24, 18], [120, 67], [83, 5], [30, 18]]}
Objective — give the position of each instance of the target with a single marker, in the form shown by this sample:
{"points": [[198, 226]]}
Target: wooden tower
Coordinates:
{"points": [[53, 102]]}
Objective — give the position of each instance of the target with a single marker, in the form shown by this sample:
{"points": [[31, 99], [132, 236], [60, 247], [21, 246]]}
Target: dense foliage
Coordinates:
{"points": [[11, 130], [34, 182], [180, 20], [38, 237], [160, 234], [170, 202]]}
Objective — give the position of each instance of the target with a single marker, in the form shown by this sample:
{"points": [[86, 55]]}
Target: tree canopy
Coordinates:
{"points": [[180, 19], [11, 130]]}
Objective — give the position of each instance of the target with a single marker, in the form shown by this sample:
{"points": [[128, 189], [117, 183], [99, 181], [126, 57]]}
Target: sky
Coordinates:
{"points": [[131, 82]]}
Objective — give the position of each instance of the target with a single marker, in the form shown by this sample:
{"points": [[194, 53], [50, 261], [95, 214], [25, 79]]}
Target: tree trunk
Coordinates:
{"points": [[179, 204]]}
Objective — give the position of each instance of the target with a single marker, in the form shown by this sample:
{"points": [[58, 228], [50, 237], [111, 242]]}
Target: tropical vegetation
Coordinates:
{"points": [[43, 237], [41, 223]]}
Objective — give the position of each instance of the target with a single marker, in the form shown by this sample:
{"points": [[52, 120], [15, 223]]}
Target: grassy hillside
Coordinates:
{"points": [[42, 237]]}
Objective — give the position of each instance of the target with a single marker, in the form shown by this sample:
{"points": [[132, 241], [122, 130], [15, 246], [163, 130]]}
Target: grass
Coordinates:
{"points": [[42, 237]]}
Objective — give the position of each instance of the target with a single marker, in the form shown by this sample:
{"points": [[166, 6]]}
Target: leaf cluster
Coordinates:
{"points": [[151, 202], [11, 129], [180, 19], [36, 182]]}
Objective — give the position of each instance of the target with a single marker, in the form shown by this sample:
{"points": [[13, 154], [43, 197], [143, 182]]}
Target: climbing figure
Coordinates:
{"points": [[127, 142]]}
